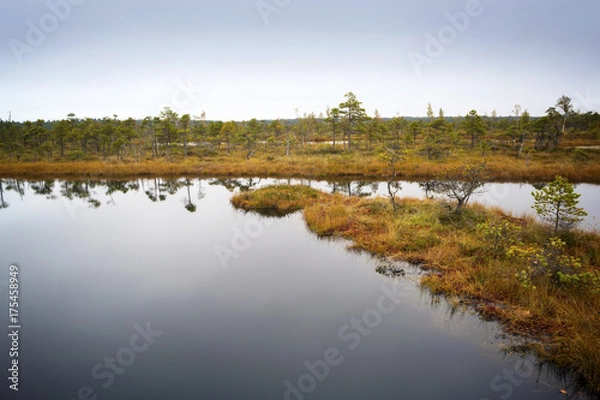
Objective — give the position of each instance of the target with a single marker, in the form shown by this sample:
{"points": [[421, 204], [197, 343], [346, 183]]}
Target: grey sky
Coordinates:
{"points": [[132, 58]]}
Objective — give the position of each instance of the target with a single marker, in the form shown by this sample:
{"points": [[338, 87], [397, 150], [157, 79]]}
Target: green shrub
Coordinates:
{"points": [[499, 235], [550, 260]]}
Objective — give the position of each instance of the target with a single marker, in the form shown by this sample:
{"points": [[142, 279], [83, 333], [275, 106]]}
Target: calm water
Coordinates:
{"points": [[158, 289]]}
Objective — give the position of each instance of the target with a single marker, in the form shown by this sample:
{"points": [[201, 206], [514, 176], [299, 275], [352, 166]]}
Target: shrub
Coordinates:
{"points": [[499, 235], [550, 260]]}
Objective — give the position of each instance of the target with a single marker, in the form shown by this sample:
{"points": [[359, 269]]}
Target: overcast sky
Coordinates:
{"points": [[132, 58]]}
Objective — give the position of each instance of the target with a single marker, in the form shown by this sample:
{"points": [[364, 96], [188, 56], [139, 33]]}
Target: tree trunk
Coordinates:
{"points": [[349, 139], [521, 145], [333, 140], [392, 196], [155, 145], [459, 206], [2, 202]]}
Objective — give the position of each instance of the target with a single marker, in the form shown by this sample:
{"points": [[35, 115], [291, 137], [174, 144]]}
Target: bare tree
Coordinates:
{"points": [[461, 183], [564, 104], [393, 186]]}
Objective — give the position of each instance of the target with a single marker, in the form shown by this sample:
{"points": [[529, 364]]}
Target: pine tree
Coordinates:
{"points": [[557, 203]]}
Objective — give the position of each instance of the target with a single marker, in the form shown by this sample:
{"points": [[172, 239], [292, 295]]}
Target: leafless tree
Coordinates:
{"points": [[461, 183], [393, 186]]}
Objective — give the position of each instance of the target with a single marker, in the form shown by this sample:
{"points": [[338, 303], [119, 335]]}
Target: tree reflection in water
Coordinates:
{"points": [[95, 193]]}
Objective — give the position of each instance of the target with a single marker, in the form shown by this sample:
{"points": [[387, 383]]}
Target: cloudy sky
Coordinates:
{"points": [[239, 59]]}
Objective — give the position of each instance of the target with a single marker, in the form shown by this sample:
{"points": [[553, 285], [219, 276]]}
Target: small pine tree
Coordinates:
{"points": [[557, 203]]}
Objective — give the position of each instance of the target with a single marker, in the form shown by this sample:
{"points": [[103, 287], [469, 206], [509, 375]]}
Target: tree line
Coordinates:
{"points": [[342, 128]]}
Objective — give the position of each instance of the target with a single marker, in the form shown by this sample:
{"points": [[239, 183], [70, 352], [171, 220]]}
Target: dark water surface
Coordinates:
{"points": [[158, 289]]}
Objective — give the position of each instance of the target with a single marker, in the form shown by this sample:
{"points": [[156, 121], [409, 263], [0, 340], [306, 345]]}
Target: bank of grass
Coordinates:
{"points": [[412, 166], [565, 322]]}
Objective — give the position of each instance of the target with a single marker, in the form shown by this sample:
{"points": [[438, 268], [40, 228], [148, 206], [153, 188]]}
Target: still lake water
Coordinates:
{"points": [[157, 289]]}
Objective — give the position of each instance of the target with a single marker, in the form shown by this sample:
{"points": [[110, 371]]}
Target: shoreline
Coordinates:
{"points": [[301, 167], [558, 323]]}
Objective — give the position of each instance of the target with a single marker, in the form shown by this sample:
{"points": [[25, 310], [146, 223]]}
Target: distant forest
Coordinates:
{"points": [[343, 128]]}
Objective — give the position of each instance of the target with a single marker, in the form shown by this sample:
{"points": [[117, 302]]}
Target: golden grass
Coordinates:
{"points": [[346, 165], [565, 321], [277, 200]]}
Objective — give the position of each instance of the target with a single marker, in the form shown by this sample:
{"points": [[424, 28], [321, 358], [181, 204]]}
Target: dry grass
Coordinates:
{"points": [[566, 321], [276, 200], [348, 165]]}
